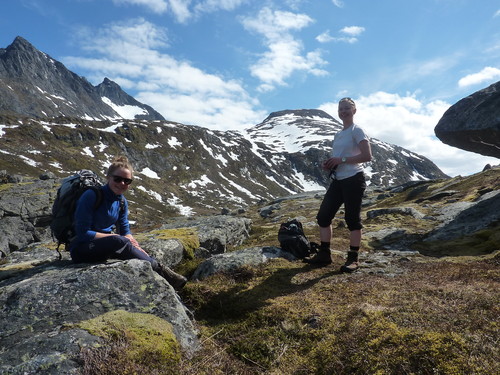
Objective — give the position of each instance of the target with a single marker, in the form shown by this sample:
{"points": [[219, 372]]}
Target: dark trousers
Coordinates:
{"points": [[349, 192], [111, 247]]}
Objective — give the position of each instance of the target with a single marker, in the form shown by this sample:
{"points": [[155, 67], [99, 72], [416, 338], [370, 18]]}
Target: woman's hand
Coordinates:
{"points": [[331, 163], [134, 243]]}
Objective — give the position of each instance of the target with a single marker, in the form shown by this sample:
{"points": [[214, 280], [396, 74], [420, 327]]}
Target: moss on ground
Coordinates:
{"points": [[187, 236], [479, 243], [132, 341]]}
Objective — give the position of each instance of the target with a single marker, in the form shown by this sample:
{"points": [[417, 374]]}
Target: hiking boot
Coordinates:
{"points": [[352, 262], [177, 281], [322, 258]]}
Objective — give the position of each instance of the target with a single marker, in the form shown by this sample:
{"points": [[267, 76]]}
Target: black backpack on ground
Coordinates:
{"points": [[63, 209], [292, 239]]}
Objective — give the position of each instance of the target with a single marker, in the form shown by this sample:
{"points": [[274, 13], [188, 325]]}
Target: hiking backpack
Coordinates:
{"points": [[292, 239], [63, 209]]}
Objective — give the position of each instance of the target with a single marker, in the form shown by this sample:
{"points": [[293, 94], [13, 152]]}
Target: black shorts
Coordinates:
{"points": [[349, 192]]}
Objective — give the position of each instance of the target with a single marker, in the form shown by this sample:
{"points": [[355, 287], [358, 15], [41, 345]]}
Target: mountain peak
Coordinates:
{"points": [[20, 42], [34, 84], [109, 83], [123, 103], [305, 113], [21, 52]]}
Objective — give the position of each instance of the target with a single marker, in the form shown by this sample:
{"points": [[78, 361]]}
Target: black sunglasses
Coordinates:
{"points": [[119, 179]]}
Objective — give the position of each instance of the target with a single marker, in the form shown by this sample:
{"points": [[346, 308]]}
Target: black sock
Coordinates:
{"points": [[354, 248], [325, 245]]}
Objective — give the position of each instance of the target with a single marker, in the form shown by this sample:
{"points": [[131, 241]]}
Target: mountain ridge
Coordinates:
{"points": [[180, 168]]}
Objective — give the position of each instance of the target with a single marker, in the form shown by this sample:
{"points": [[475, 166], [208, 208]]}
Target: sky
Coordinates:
{"points": [[227, 64]]}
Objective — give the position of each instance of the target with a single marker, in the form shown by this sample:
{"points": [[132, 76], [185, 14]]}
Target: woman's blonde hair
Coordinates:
{"points": [[120, 162], [348, 100]]}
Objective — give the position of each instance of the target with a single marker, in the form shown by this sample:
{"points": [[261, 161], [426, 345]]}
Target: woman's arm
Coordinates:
{"points": [[364, 156], [91, 222], [84, 216]]}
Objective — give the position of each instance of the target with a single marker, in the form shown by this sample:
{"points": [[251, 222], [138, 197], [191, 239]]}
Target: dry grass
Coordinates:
{"points": [[287, 318]]}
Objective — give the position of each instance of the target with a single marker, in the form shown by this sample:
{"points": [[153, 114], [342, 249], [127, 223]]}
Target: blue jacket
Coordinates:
{"points": [[89, 221]]}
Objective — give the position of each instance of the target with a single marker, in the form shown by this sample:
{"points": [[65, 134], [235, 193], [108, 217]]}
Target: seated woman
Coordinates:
{"points": [[95, 242]]}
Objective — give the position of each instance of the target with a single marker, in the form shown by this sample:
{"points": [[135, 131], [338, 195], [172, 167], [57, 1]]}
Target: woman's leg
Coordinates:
{"points": [[353, 191], [325, 233], [111, 247], [327, 210], [355, 237], [120, 247], [331, 203]]}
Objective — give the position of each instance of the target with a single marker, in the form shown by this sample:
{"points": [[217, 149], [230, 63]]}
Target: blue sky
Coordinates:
{"points": [[226, 64]]}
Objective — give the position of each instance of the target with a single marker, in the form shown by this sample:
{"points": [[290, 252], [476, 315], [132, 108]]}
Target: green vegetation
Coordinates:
{"points": [[440, 317], [133, 343], [188, 237]]}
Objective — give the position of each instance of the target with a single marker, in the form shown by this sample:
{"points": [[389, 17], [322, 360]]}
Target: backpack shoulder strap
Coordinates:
{"points": [[98, 196], [122, 204]]}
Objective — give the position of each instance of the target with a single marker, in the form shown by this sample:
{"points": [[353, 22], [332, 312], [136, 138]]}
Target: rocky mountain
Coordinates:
{"points": [[183, 169], [302, 138], [473, 123], [180, 169], [34, 84]]}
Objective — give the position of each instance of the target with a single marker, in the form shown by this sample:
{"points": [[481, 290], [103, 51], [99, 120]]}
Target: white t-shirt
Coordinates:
{"points": [[345, 144]]}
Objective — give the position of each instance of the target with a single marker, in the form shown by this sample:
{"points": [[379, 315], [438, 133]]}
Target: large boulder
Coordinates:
{"points": [[231, 261], [25, 213], [464, 218], [215, 233], [473, 123], [43, 304]]}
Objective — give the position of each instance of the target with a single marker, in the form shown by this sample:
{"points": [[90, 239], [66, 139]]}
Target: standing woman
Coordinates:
{"points": [[351, 148], [95, 240]]}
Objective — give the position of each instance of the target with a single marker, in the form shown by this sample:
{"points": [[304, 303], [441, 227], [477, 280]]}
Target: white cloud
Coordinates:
{"points": [[338, 3], [209, 6], [409, 122], [497, 13], [178, 90], [157, 6], [486, 75], [180, 8], [135, 36], [272, 24], [184, 10], [353, 30], [325, 37], [285, 54], [350, 35]]}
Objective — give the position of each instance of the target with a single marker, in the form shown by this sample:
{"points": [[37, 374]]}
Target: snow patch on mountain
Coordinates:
{"points": [[125, 111], [289, 134], [150, 173], [183, 210]]}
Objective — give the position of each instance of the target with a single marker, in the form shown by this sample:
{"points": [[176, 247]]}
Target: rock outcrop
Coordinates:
{"points": [[43, 304], [234, 260], [473, 123], [44, 300], [25, 212]]}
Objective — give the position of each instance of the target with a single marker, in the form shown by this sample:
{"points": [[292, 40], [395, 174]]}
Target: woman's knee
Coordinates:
{"points": [[323, 220], [354, 223]]}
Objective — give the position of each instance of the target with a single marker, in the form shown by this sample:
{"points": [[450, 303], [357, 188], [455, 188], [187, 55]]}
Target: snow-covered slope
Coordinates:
{"points": [[284, 136]]}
